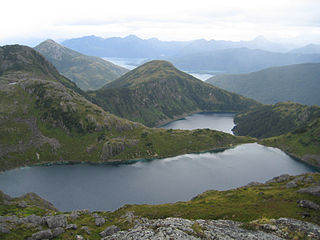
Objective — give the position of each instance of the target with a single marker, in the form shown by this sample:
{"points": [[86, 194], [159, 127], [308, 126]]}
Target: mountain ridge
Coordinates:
{"points": [[88, 72], [157, 92], [298, 83]]}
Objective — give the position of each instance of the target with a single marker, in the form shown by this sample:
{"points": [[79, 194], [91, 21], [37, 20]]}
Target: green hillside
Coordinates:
{"points": [[45, 118], [298, 83], [157, 92], [292, 127], [89, 73]]}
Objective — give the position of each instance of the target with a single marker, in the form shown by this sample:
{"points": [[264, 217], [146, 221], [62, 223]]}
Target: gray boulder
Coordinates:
{"points": [[109, 231], [71, 226], [56, 221], [45, 234], [313, 190], [308, 204], [57, 231], [99, 221], [279, 179]]}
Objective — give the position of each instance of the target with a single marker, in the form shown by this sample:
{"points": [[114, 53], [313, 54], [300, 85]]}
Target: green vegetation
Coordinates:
{"points": [[298, 83], [157, 92], [274, 120], [89, 73], [292, 127], [49, 120]]}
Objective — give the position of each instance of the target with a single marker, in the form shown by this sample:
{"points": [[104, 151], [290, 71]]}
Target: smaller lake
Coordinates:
{"points": [[215, 121]]}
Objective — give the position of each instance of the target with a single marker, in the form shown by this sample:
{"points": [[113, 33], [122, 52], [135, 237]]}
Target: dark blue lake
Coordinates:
{"points": [[108, 187]]}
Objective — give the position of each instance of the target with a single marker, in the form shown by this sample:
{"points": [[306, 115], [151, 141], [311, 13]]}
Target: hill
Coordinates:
{"points": [[292, 127], [297, 83], [89, 73], [308, 49], [238, 60], [45, 118], [157, 92]]}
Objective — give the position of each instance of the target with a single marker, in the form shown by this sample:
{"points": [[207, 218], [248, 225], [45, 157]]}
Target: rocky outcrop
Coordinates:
{"points": [[115, 146], [178, 228], [308, 204], [312, 190]]}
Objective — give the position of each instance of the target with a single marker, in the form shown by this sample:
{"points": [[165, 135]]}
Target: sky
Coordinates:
{"points": [[31, 21]]}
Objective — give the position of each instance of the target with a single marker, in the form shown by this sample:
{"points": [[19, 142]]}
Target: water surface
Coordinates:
{"points": [[216, 121], [108, 187]]}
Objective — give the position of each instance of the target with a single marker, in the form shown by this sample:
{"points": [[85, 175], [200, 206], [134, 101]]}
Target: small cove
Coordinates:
{"points": [[108, 187]]}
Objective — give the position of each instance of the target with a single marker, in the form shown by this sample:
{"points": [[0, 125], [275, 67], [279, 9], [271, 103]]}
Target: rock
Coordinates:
{"points": [[112, 148], [34, 219], [79, 237], [57, 231], [269, 227], [86, 230], [279, 179], [309, 179], [182, 229], [56, 221], [45, 234], [294, 225], [308, 204], [304, 214], [91, 149], [109, 231], [252, 184], [4, 228], [22, 204], [292, 184], [74, 215], [129, 216], [71, 226], [313, 190], [100, 221]]}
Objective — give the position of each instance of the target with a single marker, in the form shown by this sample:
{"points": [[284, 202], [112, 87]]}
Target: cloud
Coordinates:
{"points": [[166, 19]]}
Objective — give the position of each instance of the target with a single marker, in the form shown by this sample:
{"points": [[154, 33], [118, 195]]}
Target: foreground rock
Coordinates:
{"points": [[178, 228]]}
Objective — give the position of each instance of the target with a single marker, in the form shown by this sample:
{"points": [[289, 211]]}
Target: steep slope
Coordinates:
{"points": [[298, 83], [45, 118], [89, 73], [156, 92], [238, 60], [292, 127]]}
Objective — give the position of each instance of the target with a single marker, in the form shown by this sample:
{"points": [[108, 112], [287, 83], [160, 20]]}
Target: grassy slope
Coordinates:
{"points": [[89, 73], [274, 120], [297, 83], [67, 127], [292, 127], [251, 205], [157, 92]]}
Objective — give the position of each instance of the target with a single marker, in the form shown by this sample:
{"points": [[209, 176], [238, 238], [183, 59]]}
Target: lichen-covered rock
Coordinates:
{"points": [[313, 190], [109, 231], [279, 179], [56, 221], [71, 226], [57, 231], [45, 234], [308, 204], [99, 221]]}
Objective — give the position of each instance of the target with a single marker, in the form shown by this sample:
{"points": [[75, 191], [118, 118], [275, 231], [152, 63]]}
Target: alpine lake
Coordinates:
{"points": [[108, 187]]}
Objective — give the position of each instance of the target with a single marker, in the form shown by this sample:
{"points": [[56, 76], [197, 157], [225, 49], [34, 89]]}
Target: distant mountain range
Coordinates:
{"points": [[89, 73], [157, 92], [298, 83], [199, 55]]}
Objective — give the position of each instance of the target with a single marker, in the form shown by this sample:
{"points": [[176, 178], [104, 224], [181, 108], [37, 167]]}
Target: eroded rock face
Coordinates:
{"points": [[115, 146]]}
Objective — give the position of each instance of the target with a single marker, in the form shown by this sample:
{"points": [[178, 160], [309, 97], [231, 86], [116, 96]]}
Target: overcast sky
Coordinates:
{"points": [[31, 21]]}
